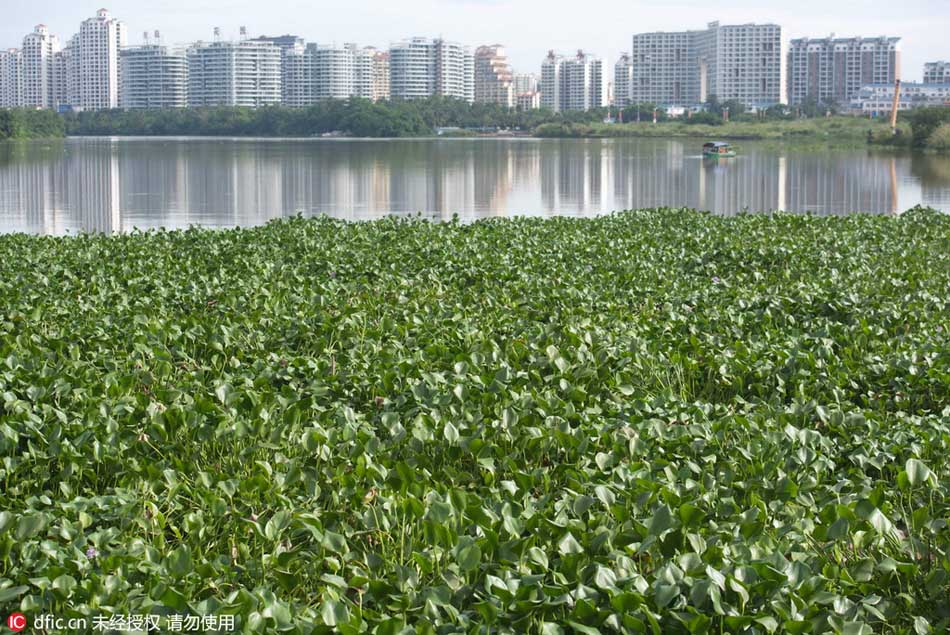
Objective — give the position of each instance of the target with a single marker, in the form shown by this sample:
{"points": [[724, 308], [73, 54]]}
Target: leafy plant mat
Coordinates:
{"points": [[649, 422]]}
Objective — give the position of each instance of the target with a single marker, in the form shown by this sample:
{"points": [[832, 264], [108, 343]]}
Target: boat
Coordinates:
{"points": [[719, 149]]}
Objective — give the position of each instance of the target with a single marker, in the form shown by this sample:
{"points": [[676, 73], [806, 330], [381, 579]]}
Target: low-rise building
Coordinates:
{"points": [[878, 99], [937, 73], [530, 100]]}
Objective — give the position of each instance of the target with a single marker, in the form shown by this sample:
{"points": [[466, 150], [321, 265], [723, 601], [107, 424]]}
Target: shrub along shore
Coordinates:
{"points": [[920, 129], [649, 422]]}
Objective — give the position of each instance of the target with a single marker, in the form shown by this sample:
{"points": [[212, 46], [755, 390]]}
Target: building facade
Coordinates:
{"points": [[93, 63], [623, 81], [39, 50], [494, 81], [420, 68], [831, 71], [878, 99], [525, 83], [372, 74], [937, 73], [334, 71], [744, 62], [245, 73], [530, 100], [11, 78], [572, 83], [154, 76]]}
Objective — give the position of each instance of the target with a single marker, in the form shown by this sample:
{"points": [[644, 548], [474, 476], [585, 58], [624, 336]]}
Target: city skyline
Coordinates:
{"points": [[476, 22]]}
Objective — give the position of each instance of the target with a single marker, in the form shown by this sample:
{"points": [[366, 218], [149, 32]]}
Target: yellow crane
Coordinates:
{"points": [[895, 105]]}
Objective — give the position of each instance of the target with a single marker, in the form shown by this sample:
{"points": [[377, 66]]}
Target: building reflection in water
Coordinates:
{"points": [[107, 185]]}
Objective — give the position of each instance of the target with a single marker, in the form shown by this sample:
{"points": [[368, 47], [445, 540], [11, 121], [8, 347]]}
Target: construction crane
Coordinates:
{"points": [[895, 105]]}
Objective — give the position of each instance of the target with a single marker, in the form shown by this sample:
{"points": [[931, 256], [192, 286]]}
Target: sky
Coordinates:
{"points": [[527, 28]]}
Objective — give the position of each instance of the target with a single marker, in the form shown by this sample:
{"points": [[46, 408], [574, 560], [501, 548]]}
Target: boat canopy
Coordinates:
{"points": [[716, 144]]}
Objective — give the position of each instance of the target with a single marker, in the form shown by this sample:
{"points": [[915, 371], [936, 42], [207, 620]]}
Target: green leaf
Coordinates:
{"points": [[568, 545], [917, 472], [469, 557], [334, 612]]}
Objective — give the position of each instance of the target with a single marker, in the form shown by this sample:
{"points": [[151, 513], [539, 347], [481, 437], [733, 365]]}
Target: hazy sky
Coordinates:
{"points": [[528, 28]]}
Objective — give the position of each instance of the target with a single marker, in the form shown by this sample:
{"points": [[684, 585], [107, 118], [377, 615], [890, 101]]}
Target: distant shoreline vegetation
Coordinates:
{"points": [[921, 129], [25, 123]]}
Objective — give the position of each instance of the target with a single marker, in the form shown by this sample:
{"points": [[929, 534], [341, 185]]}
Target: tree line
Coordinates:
{"points": [[25, 123]]}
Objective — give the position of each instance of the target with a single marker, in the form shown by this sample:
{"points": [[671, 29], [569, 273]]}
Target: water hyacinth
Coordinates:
{"points": [[650, 422]]}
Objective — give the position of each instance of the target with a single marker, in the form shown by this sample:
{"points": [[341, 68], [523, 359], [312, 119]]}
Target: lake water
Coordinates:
{"points": [[117, 184]]}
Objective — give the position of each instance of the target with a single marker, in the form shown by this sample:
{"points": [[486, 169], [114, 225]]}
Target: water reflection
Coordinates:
{"points": [[118, 184]]}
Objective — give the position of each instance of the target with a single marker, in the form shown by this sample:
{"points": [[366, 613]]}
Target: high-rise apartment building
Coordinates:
{"points": [[493, 77], [334, 71], [832, 70], [39, 49], [94, 62], [372, 74], [623, 79], [11, 78], [244, 73], [421, 67], [154, 76], [937, 73], [744, 62], [572, 83]]}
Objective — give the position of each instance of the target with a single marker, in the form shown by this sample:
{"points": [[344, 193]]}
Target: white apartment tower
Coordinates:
{"points": [[623, 78], [94, 62], [937, 73], [572, 83], [154, 76], [245, 73], [39, 50], [833, 70], [744, 62], [420, 68], [11, 78], [551, 81], [334, 71], [494, 81]]}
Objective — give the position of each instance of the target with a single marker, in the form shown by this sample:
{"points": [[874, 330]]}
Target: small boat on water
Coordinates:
{"points": [[719, 149]]}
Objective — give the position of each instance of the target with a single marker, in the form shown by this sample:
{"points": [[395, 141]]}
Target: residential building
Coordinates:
{"points": [[296, 75], [937, 73], [11, 78], [551, 81], [39, 49], [832, 70], [665, 69], [530, 100], [623, 80], [334, 71], [878, 99], [283, 42], [494, 81], [244, 73], [154, 76], [372, 74], [525, 83], [94, 63], [572, 83], [420, 68], [744, 62]]}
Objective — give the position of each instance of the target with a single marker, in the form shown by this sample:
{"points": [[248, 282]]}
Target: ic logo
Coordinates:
{"points": [[16, 622]]}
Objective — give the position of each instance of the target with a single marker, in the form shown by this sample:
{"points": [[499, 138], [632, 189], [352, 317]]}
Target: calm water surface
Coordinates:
{"points": [[117, 184]]}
